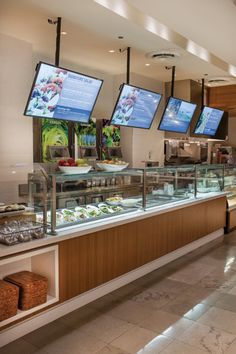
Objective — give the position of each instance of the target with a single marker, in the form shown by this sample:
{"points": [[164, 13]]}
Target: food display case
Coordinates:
{"points": [[230, 189], [73, 199], [62, 200], [164, 185], [209, 178]]}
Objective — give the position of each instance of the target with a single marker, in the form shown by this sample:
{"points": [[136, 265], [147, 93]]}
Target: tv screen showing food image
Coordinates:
{"points": [[208, 121], [135, 107], [177, 115], [62, 94]]}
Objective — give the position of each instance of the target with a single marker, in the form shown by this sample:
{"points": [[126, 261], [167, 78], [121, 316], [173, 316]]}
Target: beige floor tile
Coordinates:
{"points": [[106, 328], [220, 280], [232, 291], [170, 286], [79, 317], [138, 338], [177, 347], [180, 306], [227, 302], [105, 303], [219, 318], [212, 298], [19, 346], [154, 298], [76, 342], [178, 328], [131, 311], [211, 339], [162, 322], [232, 348], [196, 312], [47, 334], [156, 345], [192, 274], [109, 349]]}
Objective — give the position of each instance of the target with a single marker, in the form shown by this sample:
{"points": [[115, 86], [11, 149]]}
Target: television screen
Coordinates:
{"points": [[62, 94], [208, 121], [177, 115], [135, 107]]}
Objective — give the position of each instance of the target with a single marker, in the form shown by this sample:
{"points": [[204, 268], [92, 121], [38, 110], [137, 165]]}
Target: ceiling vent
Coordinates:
{"points": [[217, 81], [220, 81], [164, 56]]}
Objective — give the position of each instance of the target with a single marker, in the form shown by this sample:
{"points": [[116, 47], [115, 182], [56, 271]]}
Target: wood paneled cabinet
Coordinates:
{"points": [[88, 261]]}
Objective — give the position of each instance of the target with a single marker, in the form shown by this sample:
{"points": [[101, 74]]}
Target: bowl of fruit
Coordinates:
{"points": [[112, 165], [71, 166]]}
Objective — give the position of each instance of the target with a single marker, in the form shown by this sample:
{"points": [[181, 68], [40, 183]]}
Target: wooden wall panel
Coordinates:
{"points": [[91, 260], [231, 219], [223, 97]]}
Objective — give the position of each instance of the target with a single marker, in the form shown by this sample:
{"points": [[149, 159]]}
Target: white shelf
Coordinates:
{"points": [[44, 262]]}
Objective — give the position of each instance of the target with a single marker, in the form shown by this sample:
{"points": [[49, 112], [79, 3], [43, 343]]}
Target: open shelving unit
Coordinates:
{"points": [[43, 261]]}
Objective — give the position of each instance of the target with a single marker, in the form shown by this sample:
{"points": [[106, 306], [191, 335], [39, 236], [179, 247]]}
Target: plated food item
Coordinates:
{"points": [[113, 165], [72, 166], [114, 200], [11, 207]]}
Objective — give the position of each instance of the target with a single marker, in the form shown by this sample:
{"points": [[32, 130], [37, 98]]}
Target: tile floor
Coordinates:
{"points": [[188, 306]]}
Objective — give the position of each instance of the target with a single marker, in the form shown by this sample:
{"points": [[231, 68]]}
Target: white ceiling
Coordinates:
{"points": [[93, 30]]}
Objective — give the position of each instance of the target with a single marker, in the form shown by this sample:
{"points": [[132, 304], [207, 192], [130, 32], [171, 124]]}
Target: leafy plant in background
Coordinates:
{"points": [[86, 134], [110, 137], [54, 132]]}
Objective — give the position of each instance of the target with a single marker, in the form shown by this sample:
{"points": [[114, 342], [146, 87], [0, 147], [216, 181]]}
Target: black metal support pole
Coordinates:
{"points": [[203, 92], [173, 81], [58, 42], [128, 66]]}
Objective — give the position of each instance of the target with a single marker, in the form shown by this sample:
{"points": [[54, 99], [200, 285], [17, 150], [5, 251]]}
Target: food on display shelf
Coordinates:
{"points": [[93, 211], [73, 163], [105, 208], [11, 207], [114, 200], [66, 216], [114, 162]]}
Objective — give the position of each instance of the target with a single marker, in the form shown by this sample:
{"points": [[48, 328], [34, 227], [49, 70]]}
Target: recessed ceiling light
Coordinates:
{"points": [[147, 64], [111, 51], [63, 33]]}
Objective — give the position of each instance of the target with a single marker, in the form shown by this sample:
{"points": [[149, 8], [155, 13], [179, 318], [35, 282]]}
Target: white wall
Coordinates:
{"points": [[16, 142]]}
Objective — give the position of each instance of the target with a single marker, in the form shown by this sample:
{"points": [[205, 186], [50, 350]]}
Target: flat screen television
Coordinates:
{"points": [[135, 107], [59, 93], [177, 115], [209, 121]]}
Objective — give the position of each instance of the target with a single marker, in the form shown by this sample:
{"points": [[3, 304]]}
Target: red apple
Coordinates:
{"points": [[62, 162], [70, 161]]}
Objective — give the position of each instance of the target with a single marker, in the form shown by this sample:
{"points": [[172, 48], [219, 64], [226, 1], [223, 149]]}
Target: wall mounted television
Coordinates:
{"points": [[135, 107], [208, 121], [59, 93], [177, 115]]}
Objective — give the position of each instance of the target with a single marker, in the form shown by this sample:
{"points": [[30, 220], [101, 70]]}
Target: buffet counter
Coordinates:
{"points": [[101, 240], [85, 262]]}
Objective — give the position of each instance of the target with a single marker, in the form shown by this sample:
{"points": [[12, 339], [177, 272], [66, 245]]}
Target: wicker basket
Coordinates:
{"points": [[33, 288], [9, 295]]}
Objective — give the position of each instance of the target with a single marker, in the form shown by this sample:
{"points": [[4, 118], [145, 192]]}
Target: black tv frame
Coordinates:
{"points": [[38, 66], [118, 98], [207, 135], [162, 117]]}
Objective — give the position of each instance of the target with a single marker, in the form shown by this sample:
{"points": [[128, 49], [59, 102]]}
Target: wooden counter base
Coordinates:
{"points": [[88, 261]]}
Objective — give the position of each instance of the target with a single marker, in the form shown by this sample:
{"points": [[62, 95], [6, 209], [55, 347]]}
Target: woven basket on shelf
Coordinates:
{"points": [[33, 288], [9, 295]]}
